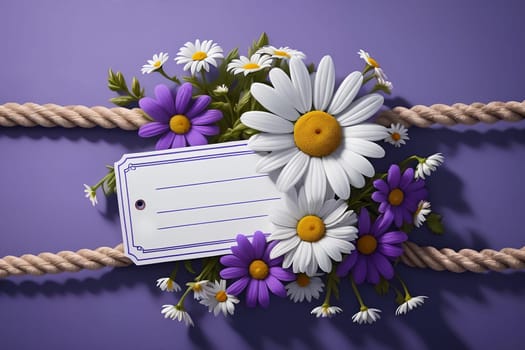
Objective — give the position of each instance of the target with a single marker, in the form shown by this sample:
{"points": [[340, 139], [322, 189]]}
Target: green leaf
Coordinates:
{"points": [[135, 88], [123, 101], [188, 267], [244, 101], [382, 287], [219, 105], [262, 41], [434, 223]]}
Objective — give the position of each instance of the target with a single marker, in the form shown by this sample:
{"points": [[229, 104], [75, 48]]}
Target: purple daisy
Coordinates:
{"points": [[251, 265], [399, 195], [375, 250], [182, 120]]}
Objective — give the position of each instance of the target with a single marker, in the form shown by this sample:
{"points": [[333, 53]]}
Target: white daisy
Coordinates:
{"points": [[197, 56], [167, 284], [91, 194], [313, 132], [281, 53], [366, 315], [178, 313], [397, 134], [155, 63], [311, 234], [368, 60], [410, 304], [217, 300], [247, 65], [428, 165], [304, 287], [200, 289], [420, 216], [326, 310], [382, 79]]}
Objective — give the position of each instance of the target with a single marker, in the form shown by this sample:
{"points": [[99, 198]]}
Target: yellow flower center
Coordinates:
{"points": [[196, 288], [156, 64], [281, 53], [317, 133], [251, 65], [199, 56], [396, 136], [373, 62], [396, 197], [169, 284], [221, 296], [258, 269], [180, 124], [366, 244], [311, 228], [302, 280]]}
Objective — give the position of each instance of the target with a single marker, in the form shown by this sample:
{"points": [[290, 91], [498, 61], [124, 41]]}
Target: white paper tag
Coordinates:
{"points": [[191, 202]]}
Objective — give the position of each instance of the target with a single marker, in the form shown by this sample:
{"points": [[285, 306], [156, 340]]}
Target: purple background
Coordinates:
{"points": [[445, 52]]}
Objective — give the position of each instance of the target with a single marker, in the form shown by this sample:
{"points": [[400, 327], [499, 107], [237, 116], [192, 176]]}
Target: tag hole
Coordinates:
{"points": [[140, 204]]}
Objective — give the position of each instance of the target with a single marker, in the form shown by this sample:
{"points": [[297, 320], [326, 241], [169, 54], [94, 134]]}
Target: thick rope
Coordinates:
{"points": [[414, 256], [51, 115], [458, 113]]}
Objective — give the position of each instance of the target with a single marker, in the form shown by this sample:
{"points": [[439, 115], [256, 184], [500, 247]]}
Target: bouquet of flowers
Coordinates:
{"points": [[339, 221]]}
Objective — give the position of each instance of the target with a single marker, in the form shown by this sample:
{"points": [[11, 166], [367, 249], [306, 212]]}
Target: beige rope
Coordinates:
{"points": [[458, 113], [43, 263], [414, 255], [51, 115]]}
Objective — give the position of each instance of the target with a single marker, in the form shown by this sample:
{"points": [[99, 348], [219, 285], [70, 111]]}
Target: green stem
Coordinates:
{"points": [[405, 289], [357, 294], [163, 73], [232, 114], [174, 272]]}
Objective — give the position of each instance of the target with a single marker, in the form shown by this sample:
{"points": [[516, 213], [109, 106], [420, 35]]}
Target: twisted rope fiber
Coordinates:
{"points": [[414, 256], [52, 115]]}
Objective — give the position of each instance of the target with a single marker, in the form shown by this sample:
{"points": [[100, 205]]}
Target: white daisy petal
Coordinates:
{"points": [[322, 258], [324, 83], [347, 233], [271, 142], [285, 247], [282, 218], [358, 162], [365, 148], [282, 233], [361, 110], [266, 122], [302, 257], [336, 213], [315, 180], [284, 87], [301, 83], [371, 132], [292, 172], [346, 93], [337, 177], [354, 177], [275, 160], [273, 101]]}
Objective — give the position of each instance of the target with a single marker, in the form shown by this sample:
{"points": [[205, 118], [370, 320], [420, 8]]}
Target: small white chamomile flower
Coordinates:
{"points": [[281, 52], [326, 310], [91, 194], [200, 289], [428, 165], [304, 287], [397, 134], [167, 284], [410, 304], [155, 63], [178, 313], [221, 90], [420, 216], [366, 315], [217, 300], [247, 65], [198, 56]]}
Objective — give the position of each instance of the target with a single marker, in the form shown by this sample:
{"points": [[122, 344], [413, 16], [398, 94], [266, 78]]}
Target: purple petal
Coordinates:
{"points": [[264, 296], [179, 141], [398, 216], [232, 261], [208, 117], [379, 197], [407, 217], [383, 265], [165, 98], [406, 178], [199, 105], [282, 274], [154, 110], [165, 141], [259, 244], [208, 130], [394, 175], [372, 275], [266, 257], [416, 185], [238, 286], [230, 273], [183, 98], [244, 248], [275, 286], [382, 223], [393, 237], [195, 138], [252, 292], [364, 222], [359, 271], [347, 264], [391, 251], [383, 207], [153, 129], [381, 186]]}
